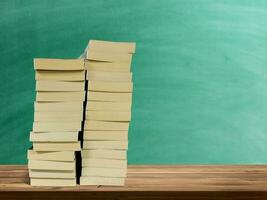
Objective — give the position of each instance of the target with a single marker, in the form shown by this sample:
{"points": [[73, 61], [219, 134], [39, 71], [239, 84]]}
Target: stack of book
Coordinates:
{"points": [[108, 112], [58, 121]]}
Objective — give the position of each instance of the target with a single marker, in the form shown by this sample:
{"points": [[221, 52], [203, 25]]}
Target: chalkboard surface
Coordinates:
{"points": [[200, 73]]}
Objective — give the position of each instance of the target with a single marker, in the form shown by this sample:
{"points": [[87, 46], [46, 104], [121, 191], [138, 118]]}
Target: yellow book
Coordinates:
{"points": [[119, 47], [58, 116], [107, 66], [102, 86], [52, 182], [104, 172], [108, 116], [104, 153], [58, 64], [109, 56], [119, 145], [52, 156], [109, 96], [106, 135], [54, 137], [59, 106], [56, 126], [109, 76], [51, 165], [108, 181], [56, 146], [109, 126], [51, 174], [105, 163], [108, 106], [59, 75], [61, 86], [60, 96]]}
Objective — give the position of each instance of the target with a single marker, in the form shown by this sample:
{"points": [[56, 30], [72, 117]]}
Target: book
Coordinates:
{"points": [[58, 64], [102, 126], [62, 105], [51, 165], [104, 163], [109, 76], [58, 106], [108, 106], [107, 66], [57, 146], [60, 96], [60, 75], [103, 172], [92, 144], [52, 174], [109, 181], [56, 126], [54, 137], [52, 156], [108, 116], [109, 56], [109, 46], [53, 182], [104, 153], [106, 135], [60, 86], [102, 86], [109, 96], [58, 116]]}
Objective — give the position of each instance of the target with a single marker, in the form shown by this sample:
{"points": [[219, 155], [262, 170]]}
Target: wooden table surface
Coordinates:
{"points": [[150, 182]]}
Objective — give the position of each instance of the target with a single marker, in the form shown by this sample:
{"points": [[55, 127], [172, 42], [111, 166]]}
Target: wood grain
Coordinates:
{"points": [[151, 182]]}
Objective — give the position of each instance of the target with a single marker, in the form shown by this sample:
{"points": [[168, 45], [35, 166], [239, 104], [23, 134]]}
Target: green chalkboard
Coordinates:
{"points": [[200, 73]]}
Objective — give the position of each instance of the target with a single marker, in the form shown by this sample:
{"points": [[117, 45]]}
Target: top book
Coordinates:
{"points": [[114, 47], [58, 64]]}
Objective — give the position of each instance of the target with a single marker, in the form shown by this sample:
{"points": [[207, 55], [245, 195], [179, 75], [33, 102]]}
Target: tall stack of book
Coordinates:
{"points": [[108, 113], [58, 121]]}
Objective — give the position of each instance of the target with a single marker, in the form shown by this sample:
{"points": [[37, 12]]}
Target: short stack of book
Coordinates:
{"points": [[58, 121], [108, 112]]}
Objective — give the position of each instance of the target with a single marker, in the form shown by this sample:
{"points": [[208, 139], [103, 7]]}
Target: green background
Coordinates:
{"points": [[200, 73]]}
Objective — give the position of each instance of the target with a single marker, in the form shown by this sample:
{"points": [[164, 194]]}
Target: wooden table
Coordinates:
{"points": [[150, 182]]}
